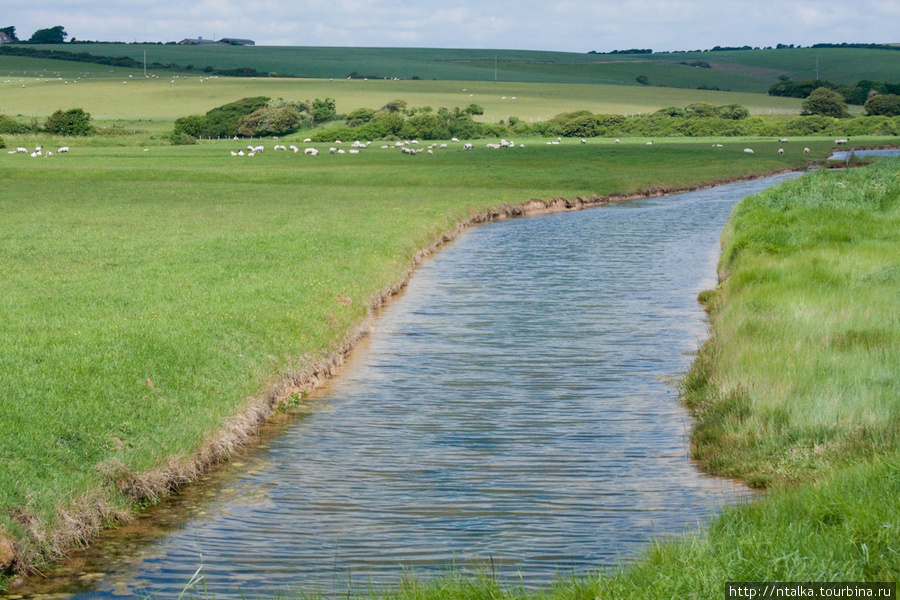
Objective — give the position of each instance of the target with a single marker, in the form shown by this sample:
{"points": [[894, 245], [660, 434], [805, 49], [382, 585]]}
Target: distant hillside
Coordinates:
{"points": [[731, 70]]}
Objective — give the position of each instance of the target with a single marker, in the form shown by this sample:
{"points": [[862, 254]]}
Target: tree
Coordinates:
{"points": [[887, 105], [324, 110], [53, 35], [825, 102], [395, 105], [71, 122], [10, 33]]}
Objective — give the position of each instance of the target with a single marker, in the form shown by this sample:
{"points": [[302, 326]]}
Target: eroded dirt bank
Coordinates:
{"points": [[77, 523]]}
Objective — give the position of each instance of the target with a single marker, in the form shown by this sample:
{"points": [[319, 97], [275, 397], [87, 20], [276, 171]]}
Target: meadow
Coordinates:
{"points": [[182, 280]]}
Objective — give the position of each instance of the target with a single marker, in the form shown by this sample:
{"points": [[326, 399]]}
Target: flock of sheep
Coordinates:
{"points": [[38, 151], [407, 147]]}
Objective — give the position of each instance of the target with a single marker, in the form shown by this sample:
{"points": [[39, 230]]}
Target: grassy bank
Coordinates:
{"points": [[148, 295]]}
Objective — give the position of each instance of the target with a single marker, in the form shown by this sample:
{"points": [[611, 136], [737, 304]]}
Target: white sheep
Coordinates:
{"points": [[295, 149], [806, 151], [332, 150], [468, 147], [22, 150], [311, 152], [748, 150], [454, 139], [781, 151], [63, 149]]}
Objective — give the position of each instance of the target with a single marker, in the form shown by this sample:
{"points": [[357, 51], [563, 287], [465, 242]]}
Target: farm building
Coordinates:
{"points": [[5, 39], [224, 41]]}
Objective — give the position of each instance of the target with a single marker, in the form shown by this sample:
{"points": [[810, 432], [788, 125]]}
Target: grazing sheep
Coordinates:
{"points": [[468, 147], [307, 140], [443, 145], [311, 152], [806, 151], [841, 142], [63, 149], [454, 139], [748, 150], [430, 151], [332, 150], [22, 150], [617, 140], [783, 140], [233, 153], [650, 143], [295, 149], [583, 141], [781, 151], [354, 151]]}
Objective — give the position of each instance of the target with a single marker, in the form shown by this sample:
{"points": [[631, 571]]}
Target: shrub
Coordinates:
{"points": [[71, 122], [825, 102], [2, 143], [887, 105], [11, 126]]}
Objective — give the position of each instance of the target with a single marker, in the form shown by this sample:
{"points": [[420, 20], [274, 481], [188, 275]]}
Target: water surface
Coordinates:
{"points": [[513, 408]]}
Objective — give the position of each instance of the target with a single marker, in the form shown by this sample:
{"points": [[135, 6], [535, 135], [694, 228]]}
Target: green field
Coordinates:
{"points": [[153, 104], [738, 71], [212, 276]]}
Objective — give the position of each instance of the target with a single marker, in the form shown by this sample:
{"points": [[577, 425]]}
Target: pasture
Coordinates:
{"points": [[139, 285], [151, 105]]}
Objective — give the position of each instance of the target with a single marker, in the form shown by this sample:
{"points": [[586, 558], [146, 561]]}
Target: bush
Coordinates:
{"points": [[825, 102], [11, 126], [181, 139], [71, 122], [886, 105], [2, 143]]}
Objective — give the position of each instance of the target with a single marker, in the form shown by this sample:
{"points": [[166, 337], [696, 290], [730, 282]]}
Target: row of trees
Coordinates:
{"points": [[829, 103], [51, 35], [857, 94]]}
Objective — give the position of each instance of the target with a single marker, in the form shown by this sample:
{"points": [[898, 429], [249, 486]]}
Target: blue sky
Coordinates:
{"points": [[566, 25]]}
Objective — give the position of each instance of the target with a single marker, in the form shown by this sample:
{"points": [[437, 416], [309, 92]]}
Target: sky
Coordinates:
{"points": [[561, 25]]}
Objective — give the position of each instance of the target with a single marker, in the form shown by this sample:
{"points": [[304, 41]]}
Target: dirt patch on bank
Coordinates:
{"points": [[80, 522]]}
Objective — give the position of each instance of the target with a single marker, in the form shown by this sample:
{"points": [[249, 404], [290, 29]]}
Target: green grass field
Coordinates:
{"points": [[212, 276]]}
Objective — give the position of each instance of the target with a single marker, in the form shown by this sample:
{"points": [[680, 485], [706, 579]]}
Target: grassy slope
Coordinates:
{"points": [[211, 275], [739, 71]]}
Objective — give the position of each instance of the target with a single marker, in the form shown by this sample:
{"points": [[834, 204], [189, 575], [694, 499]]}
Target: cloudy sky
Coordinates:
{"points": [[565, 25]]}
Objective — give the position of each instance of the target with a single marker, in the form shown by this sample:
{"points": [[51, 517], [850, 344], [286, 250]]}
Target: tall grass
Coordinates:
{"points": [[800, 375]]}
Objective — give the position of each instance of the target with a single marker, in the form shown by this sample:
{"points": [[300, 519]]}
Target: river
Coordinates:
{"points": [[513, 410]]}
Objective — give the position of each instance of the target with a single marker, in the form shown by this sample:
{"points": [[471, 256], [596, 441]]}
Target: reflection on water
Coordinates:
{"points": [[510, 408]]}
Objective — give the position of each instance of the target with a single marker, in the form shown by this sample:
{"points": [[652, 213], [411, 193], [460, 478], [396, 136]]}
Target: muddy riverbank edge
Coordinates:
{"points": [[79, 522]]}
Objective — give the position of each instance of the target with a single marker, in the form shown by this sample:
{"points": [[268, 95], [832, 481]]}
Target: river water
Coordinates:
{"points": [[513, 410]]}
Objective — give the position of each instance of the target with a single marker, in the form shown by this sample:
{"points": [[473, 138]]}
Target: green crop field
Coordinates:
{"points": [[738, 71]]}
